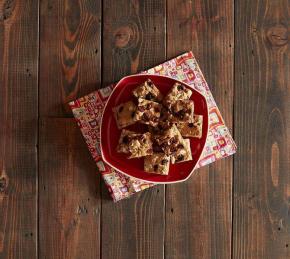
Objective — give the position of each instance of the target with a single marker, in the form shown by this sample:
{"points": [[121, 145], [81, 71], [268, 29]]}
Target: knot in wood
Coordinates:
{"points": [[277, 35], [6, 9], [125, 36], [3, 184]]}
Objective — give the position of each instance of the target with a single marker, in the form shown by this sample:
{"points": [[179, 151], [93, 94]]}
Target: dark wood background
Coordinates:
{"points": [[52, 203]]}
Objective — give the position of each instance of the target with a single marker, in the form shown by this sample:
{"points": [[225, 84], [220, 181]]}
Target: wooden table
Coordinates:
{"points": [[52, 202]]}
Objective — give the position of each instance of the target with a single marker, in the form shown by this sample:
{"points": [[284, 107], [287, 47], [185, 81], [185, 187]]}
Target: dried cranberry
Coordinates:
{"points": [[145, 117], [164, 161], [155, 167], [180, 114], [149, 96], [149, 82], [157, 109], [180, 87], [157, 148], [149, 106], [150, 151], [179, 146], [126, 139], [190, 125], [141, 108], [121, 108], [173, 149], [179, 158], [163, 145], [133, 114], [174, 140], [166, 125]]}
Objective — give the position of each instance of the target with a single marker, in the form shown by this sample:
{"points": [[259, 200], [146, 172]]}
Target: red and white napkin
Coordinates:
{"points": [[88, 111]]}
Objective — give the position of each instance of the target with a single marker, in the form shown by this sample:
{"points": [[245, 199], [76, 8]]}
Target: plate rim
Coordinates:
{"points": [[101, 123]]}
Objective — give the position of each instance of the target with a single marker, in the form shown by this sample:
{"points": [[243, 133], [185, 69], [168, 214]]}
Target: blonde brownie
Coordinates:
{"points": [[157, 163], [193, 128], [125, 114], [148, 91]]}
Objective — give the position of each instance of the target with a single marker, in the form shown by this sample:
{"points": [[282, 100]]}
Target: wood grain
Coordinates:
{"points": [[69, 190], [262, 129], [69, 193], [199, 211], [18, 131], [70, 56], [133, 38], [188, 220]]}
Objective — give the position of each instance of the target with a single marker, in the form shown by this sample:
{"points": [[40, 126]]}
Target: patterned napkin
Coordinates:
{"points": [[88, 110]]}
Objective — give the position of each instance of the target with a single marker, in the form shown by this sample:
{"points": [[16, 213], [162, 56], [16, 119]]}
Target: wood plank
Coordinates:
{"points": [[70, 56], [18, 131], [199, 211], [262, 129], [133, 39], [69, 190], [69, 196]]}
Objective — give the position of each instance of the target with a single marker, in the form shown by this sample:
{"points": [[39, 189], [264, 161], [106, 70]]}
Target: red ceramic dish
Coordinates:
{"points": [[110, 133]]}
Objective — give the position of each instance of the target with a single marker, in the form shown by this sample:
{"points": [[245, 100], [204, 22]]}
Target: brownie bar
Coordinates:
{"points": [[125, 114], [191, 129], [157, 163], [148, 91], [148, 112]]}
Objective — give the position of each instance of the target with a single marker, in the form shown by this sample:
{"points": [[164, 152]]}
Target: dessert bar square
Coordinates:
{"points": [[148, 112], [170, 140], [182, 154], [157, 163], [125, 114], [123, 146], [191, 129], [140, 145], [177, 92], [181, 111], [148, 91]]}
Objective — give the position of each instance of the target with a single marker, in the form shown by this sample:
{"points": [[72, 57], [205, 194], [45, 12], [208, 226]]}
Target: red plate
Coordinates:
{"points": [[110, 133]]}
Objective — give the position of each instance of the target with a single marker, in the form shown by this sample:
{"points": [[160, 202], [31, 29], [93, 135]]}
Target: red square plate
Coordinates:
{"points": [[110, 133]]}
